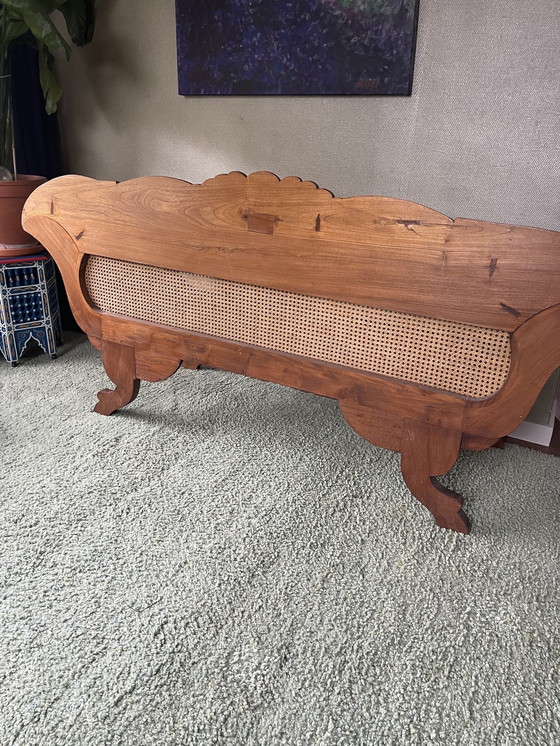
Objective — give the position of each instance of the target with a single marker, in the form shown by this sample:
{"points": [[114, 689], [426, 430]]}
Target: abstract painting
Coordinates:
{"points": [[296, 47]]}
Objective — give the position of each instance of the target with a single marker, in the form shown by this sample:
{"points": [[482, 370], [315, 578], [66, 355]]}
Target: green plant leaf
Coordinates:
{"points": [[35, 13], [80, 19], [49, 84], [13, 29], [18, 17]]}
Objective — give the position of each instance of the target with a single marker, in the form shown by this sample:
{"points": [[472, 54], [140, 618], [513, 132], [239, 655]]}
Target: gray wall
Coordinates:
{"points": [[478, 138]]}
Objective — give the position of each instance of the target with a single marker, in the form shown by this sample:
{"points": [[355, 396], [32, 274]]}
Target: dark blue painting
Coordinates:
{"points": [[296, 47]]}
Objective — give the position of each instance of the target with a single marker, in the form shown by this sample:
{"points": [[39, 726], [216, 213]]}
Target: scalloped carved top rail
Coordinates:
{"points": [[290, 235]]}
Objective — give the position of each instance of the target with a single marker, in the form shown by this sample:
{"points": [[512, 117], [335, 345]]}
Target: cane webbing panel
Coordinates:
{"points": [[468, 360]]}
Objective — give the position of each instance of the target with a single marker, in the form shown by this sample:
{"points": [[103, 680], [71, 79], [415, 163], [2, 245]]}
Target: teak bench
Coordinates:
{"points": [[433, 334]]}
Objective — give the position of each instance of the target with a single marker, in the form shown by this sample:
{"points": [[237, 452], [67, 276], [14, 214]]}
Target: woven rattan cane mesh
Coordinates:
{"points": [[463, 359]]}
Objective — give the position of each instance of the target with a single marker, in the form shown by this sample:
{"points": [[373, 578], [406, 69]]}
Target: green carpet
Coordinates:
{"points": [[225, 562]]}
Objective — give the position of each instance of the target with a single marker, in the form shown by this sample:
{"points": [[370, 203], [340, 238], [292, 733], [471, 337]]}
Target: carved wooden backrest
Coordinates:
{"points": [[290, 236]]}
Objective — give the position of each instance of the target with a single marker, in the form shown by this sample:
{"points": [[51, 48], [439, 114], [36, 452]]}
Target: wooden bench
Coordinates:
{"points": [[433, 334]]}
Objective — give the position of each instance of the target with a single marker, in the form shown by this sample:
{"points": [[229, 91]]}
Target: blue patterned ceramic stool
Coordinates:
{"points": [[28, 305]]}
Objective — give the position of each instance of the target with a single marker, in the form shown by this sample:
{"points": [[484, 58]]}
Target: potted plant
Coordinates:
{"points": [[30, 21]]}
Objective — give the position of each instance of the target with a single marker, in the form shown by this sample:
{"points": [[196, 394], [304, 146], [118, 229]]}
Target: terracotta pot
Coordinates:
{"points": [[14, 241]]}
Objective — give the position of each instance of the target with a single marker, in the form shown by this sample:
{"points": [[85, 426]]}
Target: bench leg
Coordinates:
{"points": [[428, 450], [119, 362]]}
